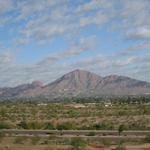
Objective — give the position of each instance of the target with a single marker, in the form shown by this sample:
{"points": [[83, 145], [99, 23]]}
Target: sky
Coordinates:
{"points": [[44, 39]]}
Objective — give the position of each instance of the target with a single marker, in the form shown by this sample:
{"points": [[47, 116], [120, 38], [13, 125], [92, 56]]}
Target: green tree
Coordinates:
{"points": [[121, 128]]}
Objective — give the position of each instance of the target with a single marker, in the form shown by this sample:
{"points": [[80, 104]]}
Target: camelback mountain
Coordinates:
{"points": [[80, 83]]}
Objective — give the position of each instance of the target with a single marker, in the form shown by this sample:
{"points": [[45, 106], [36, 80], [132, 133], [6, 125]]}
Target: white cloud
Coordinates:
{"points": [[134, 48], [5, 58], [94, 5], [98, 19], [5, 6], [139, 33], [75, 48]]}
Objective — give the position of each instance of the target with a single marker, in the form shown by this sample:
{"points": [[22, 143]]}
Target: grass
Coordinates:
{"points": [[68, 116]]}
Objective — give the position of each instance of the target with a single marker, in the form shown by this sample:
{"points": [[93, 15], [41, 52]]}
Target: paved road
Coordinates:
{"points": [[102, 133]]}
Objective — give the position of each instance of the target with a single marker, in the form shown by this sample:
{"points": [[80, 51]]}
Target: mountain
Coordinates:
{"points": [[11, 92], [80, 83], [120, 85], [71, 84]]}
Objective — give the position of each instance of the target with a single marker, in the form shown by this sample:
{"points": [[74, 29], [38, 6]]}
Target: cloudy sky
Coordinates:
{"points": [[44, 39]]}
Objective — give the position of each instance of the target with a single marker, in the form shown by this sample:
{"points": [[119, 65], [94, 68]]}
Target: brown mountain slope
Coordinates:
{"points": [[120, 85], [71, 84], [80, 82], [19, 90]]}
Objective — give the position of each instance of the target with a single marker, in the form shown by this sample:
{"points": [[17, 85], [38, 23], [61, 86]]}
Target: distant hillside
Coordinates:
{"points": [[80, 82]]}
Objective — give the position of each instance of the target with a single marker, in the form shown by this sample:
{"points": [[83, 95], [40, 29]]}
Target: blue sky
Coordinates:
{"points": [[42, 40]]}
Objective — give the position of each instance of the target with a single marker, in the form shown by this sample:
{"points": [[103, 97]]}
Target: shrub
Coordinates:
{"points": [[23, 125], [121, 128], [91, 134], [35, 125], [147, 139], [102, 126], [66, 126], [120, 148], [5, 125], [51, 148], [78, 143], [49, 126], [20, 140], [2, 135], [35, 140], [30, 125]]}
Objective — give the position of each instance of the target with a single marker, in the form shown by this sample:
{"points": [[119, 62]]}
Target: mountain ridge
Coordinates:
{"points": [[79, 82]]}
